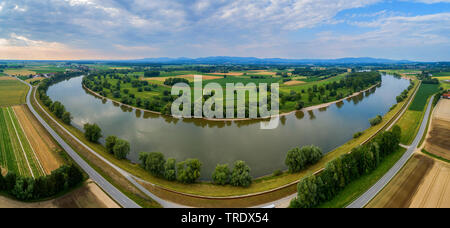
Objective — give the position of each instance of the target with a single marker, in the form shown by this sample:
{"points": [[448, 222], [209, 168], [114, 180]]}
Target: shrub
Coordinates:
{"points": [[170, 172], [155, 164], [188, 171], [241, 175], [221, 175], [357, 135], [110, 143], [121, 149], [92, 132], [66, 118], [298, 159], [277, 173], [375, 121]]}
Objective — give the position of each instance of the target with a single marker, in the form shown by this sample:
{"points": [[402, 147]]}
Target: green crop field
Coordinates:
{"points": [[441, 74], [12, 92], [17, 154], [425, 91]]}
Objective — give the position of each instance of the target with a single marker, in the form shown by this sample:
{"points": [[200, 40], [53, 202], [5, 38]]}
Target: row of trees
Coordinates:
{"points": [[173, 81], [26, 188], [185, 172], [404, 94], [314, 190], [239, 177], [56, 107]]}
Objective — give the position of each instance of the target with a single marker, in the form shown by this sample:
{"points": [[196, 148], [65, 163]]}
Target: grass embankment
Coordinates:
{"points": [[259, 185], [361, 185], [410, 121], [12, 92], [109, 173]]}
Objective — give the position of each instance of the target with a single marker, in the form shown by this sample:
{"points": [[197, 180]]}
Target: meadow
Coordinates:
{"points": [[12, 91]]}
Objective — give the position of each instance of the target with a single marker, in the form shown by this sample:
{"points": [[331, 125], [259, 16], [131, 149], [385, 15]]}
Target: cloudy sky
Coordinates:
{"points": [[128, 29]]}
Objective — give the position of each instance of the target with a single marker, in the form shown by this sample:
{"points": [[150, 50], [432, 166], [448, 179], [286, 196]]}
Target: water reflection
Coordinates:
{"points": [[215, 142]]}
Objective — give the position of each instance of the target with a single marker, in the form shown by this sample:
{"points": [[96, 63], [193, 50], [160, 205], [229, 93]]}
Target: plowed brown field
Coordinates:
{"points": [[401, 190], [434, 192], [44, 146], [438, 141]]}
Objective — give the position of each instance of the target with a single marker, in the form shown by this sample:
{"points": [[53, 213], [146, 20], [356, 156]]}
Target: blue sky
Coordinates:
{"points": [[128, 29]]}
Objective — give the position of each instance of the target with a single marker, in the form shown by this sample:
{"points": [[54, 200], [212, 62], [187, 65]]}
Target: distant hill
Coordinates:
{"points": [[253, 60]]}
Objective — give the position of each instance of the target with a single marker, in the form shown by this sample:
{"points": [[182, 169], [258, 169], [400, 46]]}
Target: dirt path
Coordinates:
{"points": [[42, 144], [88, 196]]}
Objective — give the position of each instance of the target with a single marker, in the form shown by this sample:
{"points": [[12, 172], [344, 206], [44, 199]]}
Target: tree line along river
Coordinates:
{"points": [[215, 142]]}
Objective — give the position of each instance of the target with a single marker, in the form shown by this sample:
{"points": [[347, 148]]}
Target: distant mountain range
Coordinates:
{"points": [[253, 60]]}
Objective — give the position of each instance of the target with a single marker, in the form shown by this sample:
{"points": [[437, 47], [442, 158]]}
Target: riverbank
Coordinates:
{"points": [[310, 108], [261, 186]]}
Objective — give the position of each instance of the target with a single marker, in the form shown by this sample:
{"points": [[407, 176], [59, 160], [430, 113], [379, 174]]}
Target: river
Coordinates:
{"points": [[225, 142]]}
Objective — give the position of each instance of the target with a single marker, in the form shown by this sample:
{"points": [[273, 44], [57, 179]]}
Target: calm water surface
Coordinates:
{"points": [[225, 142]]}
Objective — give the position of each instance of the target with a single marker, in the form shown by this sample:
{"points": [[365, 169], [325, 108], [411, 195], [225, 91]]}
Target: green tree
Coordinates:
{"points": [[155, 164], [143, 158], [66, 118], [298, 159], [92, 132], [170, 172], [241, 175], [307, 196], [10, 181], [375, 121], [188, 171], [74, 176], [2, 182], [121, 149], [58, 109], [221, 175], [23, 189], [110, 143]]}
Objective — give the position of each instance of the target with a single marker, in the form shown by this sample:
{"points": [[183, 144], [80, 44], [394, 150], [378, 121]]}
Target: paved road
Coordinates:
{"points": [[364, 199], [112, 191], [128, 176]]}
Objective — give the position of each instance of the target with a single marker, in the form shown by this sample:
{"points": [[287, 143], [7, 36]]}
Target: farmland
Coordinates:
{"points": [[12, 91], [422, 183], [17, 155], [438, 142], [45, 148], [19, 72], [425, 91], [410, 121], [400, 191], [87, 196]]}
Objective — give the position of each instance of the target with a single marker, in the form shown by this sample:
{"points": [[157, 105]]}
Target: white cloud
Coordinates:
{"points": [[432, 1], [19, 9], [21, 47], [284, 14]]}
